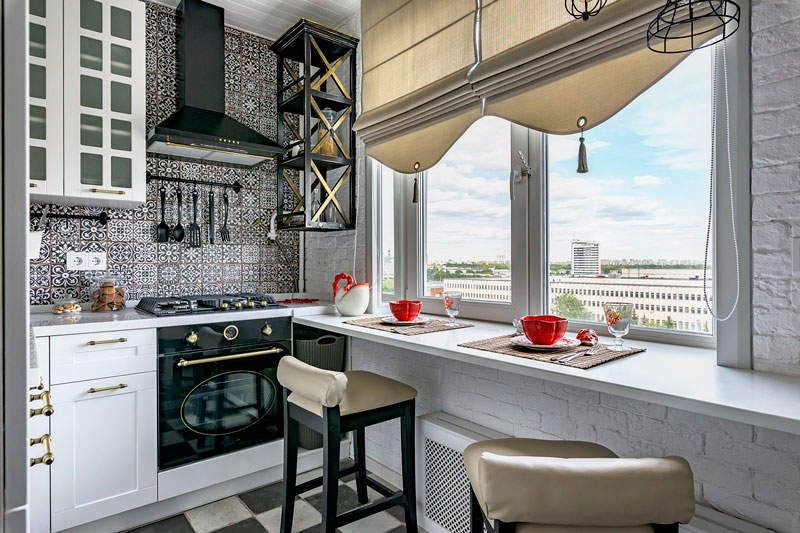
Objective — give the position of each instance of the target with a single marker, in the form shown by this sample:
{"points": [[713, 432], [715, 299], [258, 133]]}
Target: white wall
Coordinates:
{"points": [[776, 185], [741, 470]]}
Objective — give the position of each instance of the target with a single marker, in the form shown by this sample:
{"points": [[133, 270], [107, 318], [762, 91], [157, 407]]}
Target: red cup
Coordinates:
{"points": [[544, 329], [405, 310]]}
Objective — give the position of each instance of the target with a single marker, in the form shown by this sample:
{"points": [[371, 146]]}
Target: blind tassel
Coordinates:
{"points": [[583, 162]]}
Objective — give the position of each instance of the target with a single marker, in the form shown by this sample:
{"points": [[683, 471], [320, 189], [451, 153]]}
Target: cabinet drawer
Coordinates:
{"points": [[99, 355]]}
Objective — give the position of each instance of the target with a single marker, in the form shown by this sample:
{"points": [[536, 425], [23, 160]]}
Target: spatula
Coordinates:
{"points": [[162, 230], [193, 232]]}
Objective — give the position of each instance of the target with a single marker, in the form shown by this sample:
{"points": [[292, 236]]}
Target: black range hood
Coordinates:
{"points": [[200, 129]]}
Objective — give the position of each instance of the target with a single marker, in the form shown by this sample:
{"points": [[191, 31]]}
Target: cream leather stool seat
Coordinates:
{"points": [[333, 403], [362, 391], [538, 486]]}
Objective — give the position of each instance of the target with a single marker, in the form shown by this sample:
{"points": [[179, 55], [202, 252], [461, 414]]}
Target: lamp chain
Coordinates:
{"points": [[711, 181]]}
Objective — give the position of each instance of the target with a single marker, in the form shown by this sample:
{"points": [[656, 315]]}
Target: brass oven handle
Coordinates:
{"points": [[106, 191], [110, 341], [103, 389], [184, 362], [47, 409], [48, 457]]}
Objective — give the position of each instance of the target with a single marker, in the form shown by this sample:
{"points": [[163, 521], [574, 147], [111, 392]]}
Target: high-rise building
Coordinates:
{"points": [[585, 258]]}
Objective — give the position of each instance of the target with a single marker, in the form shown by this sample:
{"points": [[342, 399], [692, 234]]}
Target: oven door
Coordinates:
{"points": [[216, 401]]}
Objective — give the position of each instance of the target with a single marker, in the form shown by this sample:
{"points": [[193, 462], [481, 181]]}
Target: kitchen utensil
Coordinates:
{"points": [[162, 230], [193, 233], [211, 216], [177, 231], [522, 341], [544, 329], [353, 299], [224, 232], [405, 310], [581, 353]]}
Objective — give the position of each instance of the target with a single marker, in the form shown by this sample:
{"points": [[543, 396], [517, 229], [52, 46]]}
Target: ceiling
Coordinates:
{"points": [[270, 18]]}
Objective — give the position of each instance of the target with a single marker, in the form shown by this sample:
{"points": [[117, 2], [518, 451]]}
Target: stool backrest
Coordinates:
{"points": [[322, 386]]}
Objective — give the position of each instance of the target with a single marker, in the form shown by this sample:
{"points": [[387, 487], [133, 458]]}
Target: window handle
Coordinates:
{"points": [[518, 175]]}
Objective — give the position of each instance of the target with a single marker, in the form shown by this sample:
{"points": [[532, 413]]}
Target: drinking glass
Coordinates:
{"points": [[618, 319], [452, 300]]}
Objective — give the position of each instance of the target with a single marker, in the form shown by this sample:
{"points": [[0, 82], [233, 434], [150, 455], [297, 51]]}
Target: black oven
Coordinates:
{"points": [[218, 388]]}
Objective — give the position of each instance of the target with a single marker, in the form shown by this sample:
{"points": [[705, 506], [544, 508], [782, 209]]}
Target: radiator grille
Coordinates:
{"points": [[446, 487]]}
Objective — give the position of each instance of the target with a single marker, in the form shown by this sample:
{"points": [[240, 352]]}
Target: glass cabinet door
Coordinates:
{"points": [[104, 98], [45, 112]]}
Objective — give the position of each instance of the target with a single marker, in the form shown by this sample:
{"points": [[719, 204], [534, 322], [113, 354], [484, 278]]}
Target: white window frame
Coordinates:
{"points": [[732, 338]]}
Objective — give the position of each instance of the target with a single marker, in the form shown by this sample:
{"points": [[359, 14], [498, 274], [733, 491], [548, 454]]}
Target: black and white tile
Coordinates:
{"points": [[259, 511], [129, 237]]}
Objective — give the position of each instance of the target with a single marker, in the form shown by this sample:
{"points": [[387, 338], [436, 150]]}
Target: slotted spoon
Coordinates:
{"points": [[224, 232]]}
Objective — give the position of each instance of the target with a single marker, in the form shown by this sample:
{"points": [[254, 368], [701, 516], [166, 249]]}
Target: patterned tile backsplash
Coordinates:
{"points": [[147, 268]]}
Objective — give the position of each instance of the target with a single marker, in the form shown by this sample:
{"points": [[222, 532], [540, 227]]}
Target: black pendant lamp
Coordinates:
{"points": [[686, 25], [583, 9]]}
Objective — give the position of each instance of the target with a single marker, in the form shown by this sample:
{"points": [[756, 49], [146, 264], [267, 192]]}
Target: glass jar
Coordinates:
{"points": [[107, 294], [67, 306]]}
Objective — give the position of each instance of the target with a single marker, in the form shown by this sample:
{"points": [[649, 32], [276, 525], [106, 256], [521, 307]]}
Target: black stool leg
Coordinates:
{"points": [[290, 434], [475, 513], [361, 463], [409, 465], [330, 468]]}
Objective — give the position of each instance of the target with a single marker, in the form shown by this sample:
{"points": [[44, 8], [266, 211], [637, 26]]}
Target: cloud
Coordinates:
{"points": [[642, 182]]}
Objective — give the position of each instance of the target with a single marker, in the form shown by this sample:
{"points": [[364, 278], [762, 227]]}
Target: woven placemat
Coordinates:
{"points": [[503, 345], [431, 327]]}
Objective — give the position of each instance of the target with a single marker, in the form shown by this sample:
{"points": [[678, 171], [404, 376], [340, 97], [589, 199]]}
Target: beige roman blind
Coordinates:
{"points": [[424, 84]]}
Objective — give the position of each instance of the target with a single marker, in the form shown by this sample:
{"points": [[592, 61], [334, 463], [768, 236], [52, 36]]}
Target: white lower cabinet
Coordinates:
{"points": [[105, 441]]}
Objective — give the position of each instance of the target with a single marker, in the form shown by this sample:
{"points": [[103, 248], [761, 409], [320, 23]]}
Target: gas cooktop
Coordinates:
{"points": [[207, 303]]}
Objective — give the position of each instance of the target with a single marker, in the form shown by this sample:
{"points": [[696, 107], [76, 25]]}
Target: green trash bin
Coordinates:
{"points": [[326, 352]]}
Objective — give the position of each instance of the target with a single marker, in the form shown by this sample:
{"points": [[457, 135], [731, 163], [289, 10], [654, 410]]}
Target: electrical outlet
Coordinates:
{"points": [[96, 261], [77, 261]]}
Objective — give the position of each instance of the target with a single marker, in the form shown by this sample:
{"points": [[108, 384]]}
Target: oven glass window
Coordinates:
{"points": [[228, 402]]}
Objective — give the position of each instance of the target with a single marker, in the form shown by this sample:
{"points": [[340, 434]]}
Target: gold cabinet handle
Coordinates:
{"points": [[106, 191], [109, 341], [184, 362], [103, 389], [47, 409], [33, 185], [48, 457], [40, 386]]}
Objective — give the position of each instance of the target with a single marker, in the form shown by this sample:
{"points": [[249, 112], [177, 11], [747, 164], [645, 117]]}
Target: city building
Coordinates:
{"points": [[585, 258]]}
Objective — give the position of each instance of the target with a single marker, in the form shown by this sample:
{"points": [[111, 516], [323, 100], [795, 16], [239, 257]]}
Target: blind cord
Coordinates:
{"points": [[711, 181]]}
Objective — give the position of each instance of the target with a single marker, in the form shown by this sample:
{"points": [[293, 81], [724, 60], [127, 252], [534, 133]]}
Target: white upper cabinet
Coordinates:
{"points": [[103, 91], [45, 109]]}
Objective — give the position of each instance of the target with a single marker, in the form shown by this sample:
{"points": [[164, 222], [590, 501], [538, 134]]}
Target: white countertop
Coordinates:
{"points": [[676, 376], [45, 324]]}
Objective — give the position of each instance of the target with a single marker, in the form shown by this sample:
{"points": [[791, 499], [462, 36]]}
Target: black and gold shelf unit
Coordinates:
{"points": [[316, 111]]}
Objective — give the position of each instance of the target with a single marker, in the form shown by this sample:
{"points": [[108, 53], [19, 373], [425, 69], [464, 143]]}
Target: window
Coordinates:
{"points": [[387, 243], [643, 204], [638, 217]]}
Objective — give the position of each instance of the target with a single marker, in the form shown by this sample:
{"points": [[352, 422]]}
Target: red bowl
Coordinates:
{"points": [[544, 329], [405, 310]]}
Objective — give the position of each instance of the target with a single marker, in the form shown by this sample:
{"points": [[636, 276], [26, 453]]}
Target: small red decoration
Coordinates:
{"points": [[448, 302], [612, 317], [588, 337]]}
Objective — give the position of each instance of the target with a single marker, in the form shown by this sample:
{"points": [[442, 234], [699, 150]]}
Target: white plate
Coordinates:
{"points": [[392, 321], [522, 341]]}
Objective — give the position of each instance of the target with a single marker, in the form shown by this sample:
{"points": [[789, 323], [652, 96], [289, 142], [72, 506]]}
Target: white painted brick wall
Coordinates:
{"points": [[744, 471], [776, 184]]}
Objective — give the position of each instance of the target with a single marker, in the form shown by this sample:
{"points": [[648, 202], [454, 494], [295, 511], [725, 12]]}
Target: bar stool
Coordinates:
{"points": [[334, 403], [531, 486]]}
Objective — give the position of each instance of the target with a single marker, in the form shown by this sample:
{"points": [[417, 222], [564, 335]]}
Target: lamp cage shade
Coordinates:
{"points": [[686, 25]]}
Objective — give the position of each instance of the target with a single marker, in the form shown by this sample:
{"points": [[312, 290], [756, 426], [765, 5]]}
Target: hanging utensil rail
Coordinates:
{"points": [[236, 186], [102, 217]]}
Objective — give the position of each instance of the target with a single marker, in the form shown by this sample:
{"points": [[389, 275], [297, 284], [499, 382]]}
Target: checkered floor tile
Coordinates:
{"points": [[259, 511]]}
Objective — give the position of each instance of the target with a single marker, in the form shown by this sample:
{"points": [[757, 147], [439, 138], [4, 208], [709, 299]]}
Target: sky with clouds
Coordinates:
{"points": [[645, 195]]}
